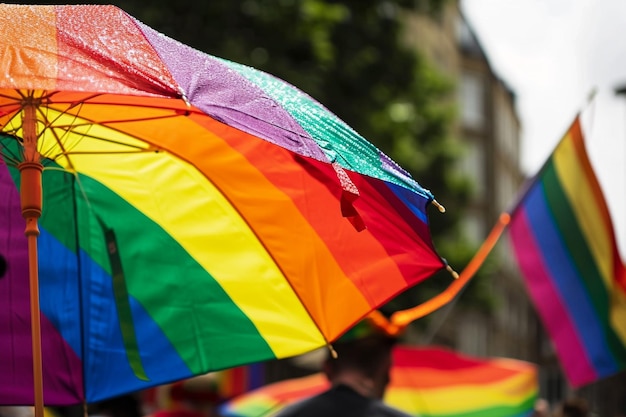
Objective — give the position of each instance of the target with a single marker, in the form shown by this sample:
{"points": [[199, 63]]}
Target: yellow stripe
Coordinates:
{"points": [[178, 198], [596, 231], [465, 398], [579, 192], [618, 313]]}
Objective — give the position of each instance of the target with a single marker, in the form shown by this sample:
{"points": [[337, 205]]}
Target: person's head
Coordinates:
{"points": [[127, 405], [541, 408], [3, 265], [365, 360], [573, 407]]}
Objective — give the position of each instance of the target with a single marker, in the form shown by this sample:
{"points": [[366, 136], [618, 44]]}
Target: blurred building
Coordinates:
{"points": [[490, 131], [489, 127]]}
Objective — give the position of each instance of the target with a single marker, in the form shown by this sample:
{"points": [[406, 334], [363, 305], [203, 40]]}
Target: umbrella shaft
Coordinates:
{"points": [[35, 322], [29, 123], [31, 194], [31, 200]]}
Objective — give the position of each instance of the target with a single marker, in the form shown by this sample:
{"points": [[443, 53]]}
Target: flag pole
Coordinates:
{"points": [[621, 91], [400, 319]]}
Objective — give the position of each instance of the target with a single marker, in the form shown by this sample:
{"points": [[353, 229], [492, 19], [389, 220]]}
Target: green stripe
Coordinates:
{"points": [[581, 256], [124, 311], [58, 193], [203, 323], [190, 306]]}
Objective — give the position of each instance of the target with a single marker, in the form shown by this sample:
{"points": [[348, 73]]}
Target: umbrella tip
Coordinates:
{"points": [[441, 208], [332, 350], [455, 274]]}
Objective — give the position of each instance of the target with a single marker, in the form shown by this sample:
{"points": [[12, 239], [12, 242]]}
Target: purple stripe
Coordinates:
{"points": [[548, 302], [16, 383], [230, 98]]}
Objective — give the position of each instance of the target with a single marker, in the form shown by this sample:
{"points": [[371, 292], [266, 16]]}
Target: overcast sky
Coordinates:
{"points": [[552, 54]]}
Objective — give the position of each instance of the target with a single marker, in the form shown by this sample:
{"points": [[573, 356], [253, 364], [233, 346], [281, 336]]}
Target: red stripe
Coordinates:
{"points": [[438, 367], [406, 237], [389, 247]]}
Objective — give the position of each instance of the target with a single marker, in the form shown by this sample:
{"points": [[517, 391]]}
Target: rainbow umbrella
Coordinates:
{"points": [[183, 213], [425, 381]]}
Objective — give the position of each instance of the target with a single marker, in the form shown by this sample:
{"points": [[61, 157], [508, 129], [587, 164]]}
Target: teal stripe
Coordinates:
{"points": [[581, 257], [340, 142]]}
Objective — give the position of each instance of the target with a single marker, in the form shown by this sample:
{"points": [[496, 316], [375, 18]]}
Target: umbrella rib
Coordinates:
{"points": [[187, 109], [55, 135], [67, 128], [107, 122], [7, 153], [258, 119], [132, 148]]}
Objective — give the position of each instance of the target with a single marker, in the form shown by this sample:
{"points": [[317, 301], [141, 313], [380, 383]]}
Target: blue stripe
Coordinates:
{"points": [[415, 202], [58, 286], [565, 276], [107, 372]]}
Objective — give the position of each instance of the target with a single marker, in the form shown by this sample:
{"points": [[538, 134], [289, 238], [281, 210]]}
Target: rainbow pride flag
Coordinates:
{"points": [[425, 381], [563, 239], [439, 382]]}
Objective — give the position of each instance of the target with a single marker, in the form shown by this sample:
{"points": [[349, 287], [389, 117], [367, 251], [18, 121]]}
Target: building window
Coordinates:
{"points": [[473, 228], [464, 35], [472, 166], [472, 101], [473, 336]]}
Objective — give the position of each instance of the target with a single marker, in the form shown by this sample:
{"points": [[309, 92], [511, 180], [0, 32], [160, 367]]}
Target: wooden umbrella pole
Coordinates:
{"points": [[31, 201]]}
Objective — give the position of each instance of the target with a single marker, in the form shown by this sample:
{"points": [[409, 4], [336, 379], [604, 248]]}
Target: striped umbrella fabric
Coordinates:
{"points": [[196, 215]]}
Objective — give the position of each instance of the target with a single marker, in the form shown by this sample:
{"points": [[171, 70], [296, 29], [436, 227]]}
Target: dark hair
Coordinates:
{"points": [[3, 266], [365, 354], [127, 405], [573, 407]]}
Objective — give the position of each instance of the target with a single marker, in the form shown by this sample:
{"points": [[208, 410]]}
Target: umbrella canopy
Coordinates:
{"points": [[425, 381], [193, 214]]}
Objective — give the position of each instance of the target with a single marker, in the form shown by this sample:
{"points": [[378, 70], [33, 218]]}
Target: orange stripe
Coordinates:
{"points": [[290, 239], [326, 219], [293, 239], [314, 221], [34, 31], [433, 378], [366, 247]]}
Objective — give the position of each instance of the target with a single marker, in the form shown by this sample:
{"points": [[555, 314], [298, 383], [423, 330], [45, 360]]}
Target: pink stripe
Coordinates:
{"points": [[553, 312]]}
